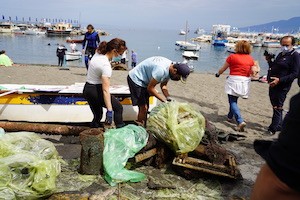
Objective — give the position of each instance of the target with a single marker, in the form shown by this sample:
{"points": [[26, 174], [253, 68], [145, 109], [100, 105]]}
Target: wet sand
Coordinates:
{"points": [[203, 91]]}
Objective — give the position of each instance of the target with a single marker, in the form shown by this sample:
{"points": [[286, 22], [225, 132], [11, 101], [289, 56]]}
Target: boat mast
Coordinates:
{"points": [[186, 31]]}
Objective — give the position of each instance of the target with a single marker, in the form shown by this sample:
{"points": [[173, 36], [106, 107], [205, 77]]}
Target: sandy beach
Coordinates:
{"points": [[204, 92]]}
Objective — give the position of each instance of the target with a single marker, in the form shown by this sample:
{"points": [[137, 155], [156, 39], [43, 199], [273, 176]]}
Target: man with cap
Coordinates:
{"points": [[146, 75]]}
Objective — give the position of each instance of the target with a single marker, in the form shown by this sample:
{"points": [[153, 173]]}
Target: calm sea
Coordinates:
{"points": [[32, 49]]}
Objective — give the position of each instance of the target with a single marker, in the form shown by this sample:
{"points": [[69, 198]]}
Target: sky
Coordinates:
{"points": [[155, 14]]}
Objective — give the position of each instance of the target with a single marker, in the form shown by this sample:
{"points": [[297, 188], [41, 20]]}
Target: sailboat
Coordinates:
{"points": [[185, 45]]}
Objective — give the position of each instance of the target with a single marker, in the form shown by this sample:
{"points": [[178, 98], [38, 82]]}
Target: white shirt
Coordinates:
{"points": [[98, 66], [238, 86], [73, 46]]}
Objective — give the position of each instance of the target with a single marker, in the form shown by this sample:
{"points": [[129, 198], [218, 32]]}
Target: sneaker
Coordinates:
{"points": [[269, 132], [231, 120], [241, 127]]}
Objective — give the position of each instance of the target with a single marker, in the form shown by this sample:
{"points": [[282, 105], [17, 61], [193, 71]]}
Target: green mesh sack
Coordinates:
{"points": [[178, 125]]}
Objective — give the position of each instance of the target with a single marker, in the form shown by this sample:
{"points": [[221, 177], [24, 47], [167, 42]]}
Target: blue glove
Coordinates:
{"points": [[109, 117]]}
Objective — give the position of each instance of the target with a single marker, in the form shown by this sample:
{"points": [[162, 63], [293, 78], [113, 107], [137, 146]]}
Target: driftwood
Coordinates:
{"points": [[54, 129]]}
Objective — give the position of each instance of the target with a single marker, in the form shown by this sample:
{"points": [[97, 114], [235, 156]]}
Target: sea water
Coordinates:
{"points": [[41, 49]]}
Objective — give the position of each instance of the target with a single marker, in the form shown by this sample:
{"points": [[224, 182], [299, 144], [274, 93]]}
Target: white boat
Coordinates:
{"points": [[190, 55], [271, 44], [182, 32], [34, 31], [57, 103], [187, 46], [76, 55], [230, 47], [7, 27]]}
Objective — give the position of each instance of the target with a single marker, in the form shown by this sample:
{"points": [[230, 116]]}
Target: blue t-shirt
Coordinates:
{"points": [[156, 67]]}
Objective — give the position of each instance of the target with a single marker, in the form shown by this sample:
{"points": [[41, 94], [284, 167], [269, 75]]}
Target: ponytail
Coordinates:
{"points": [[116, 43], [102, 48]]}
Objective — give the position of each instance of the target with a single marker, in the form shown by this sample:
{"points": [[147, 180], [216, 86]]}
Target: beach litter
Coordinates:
{"points": [[29, 166]]}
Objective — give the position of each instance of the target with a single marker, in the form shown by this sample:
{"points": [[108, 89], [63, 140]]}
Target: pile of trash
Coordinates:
{"points": [[178, 125], [29, 166]]}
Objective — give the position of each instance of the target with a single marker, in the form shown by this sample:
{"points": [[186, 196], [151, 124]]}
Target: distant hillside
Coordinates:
{"points": [[283, 26]]}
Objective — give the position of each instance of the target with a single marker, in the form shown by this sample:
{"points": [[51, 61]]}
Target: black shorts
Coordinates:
{"points": [[139, 95]]}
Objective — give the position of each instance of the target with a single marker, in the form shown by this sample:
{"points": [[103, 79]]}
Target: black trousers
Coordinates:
{"points": [[277, 96], [60, 60], [94, 96]]}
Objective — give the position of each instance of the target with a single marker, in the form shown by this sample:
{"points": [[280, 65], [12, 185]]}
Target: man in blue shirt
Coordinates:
{"points": [[145, 76], [90, 43]]}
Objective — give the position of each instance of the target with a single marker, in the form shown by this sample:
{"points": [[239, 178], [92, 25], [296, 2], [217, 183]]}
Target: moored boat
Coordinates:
{"points": [[187, 46], [76, 55], [271, 44], [60, 29], [34, 31], [7, 27], [57, 103], [190, 55]]}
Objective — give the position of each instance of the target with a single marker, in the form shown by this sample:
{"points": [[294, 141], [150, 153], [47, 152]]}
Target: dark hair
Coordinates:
{"points": [[2, 52], [116, 43], [90, 26], [289, 36]]}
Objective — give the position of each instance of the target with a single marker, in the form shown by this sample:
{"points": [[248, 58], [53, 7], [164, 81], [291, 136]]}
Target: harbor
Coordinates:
{"points": [[36, 95]]}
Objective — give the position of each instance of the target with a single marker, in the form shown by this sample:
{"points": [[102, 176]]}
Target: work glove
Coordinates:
{"points": [[109, 117], [217, 75]]}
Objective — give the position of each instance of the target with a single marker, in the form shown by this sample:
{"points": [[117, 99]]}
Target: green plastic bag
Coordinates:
{"points": [[29, 166], [120, 145], [178, 125]]}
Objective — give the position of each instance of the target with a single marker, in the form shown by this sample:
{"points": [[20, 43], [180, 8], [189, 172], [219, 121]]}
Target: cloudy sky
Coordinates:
{"points": [[158, 14]]}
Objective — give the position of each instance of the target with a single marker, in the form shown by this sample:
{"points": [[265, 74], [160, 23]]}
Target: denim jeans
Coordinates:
{"points": [[234, 110]]}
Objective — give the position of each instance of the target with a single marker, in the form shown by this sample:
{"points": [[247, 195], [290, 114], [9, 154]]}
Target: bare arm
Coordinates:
{"points": [[152, 91], [223, 68], [164, 89], [106, 93]]}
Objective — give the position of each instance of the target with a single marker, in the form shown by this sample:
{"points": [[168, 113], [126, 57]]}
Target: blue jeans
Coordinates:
{"points": [[234, 110]]}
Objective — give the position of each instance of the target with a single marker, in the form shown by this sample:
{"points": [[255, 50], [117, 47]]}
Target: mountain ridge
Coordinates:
{"points": [[291, 25]]}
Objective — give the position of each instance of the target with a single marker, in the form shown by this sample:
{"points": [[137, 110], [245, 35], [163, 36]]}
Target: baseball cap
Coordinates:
{"points": [[183, 70]]}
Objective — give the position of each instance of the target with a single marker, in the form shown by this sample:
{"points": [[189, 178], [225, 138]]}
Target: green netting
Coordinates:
{"points": [[178, 125]]}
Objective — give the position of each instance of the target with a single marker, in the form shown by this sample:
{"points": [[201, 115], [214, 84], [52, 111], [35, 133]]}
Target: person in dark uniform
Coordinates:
{"points": [[281, 74], [90, 43], [60, 53]]}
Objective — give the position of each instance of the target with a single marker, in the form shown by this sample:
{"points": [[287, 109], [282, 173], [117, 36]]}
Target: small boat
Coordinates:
{"points": [[57, 103], [271, 44], [230, 47], [187, 46], [182, 32], [219, 39], [76, 55], [190, 55], [7, 27], [34, 32], [60, 29]]}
